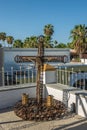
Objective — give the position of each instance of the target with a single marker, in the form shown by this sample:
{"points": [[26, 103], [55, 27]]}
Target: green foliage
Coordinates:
{"points": [[10, 39], [31, 42], [18, 44], [70, 45], [78, 35], [48, 30], [61, 45], [3, 36], [79, 38]]}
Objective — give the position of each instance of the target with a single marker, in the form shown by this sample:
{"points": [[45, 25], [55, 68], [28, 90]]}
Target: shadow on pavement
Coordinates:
{"points": [[78, 127]]}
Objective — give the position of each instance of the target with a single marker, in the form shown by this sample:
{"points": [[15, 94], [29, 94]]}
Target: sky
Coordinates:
{"points": [[25, 18]]}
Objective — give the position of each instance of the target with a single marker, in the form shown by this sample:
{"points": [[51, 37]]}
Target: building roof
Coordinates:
{"points": [[48, 67]]}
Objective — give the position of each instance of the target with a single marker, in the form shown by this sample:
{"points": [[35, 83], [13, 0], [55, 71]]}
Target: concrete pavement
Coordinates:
{"points": [[9, 121]]}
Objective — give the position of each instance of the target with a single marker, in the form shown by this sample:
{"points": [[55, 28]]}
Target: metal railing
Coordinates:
{"points": [[71, 78], [23, 76], [15, 77]]}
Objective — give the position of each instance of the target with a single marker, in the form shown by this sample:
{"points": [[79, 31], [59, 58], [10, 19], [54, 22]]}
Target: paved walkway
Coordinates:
{"points": [[9, 121]]}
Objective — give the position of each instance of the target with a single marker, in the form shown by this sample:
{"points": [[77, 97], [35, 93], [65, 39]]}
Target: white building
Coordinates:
{"points": [[9, 54]]}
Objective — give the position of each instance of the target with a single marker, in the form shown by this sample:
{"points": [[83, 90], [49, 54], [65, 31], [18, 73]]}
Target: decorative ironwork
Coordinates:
{"points": [[51, 58]]}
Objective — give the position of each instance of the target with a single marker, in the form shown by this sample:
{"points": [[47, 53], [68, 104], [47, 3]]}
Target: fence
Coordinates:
{"points": [[22, 76], [15, 77], [71, 78]]}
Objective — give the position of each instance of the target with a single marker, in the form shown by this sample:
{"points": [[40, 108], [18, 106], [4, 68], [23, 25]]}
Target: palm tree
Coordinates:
{"points": [[18, 44], [47, 42], [10, 40], [79, 38], [70, 45], [31, 42], [48, 31], [3, 37], [55, 44], [61, 45], [26, 42]]}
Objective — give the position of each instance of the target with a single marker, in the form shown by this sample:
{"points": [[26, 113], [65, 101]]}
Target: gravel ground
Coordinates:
{"points": [[9, 121]]}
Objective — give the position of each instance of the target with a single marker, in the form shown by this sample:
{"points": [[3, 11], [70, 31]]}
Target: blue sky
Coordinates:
{"points": [[25, 18]]}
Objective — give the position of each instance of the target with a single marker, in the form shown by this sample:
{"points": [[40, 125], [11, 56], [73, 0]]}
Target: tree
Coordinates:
{"points": [[3, 37], [18, 44], [10, 40], [70, 45], [31, 42], [48, 42], [55, 44], [48, 31], [79, 38], [61, 45]]}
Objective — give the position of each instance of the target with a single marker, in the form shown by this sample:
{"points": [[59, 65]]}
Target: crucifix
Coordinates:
{"points": [[39, 65], [39, 61], [35, 111]]}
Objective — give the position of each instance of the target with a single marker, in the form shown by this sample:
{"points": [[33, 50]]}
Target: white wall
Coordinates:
{"points": [[8, 97], [11, 96], [49, 77], [79, 99], [10, 53], [57, 94], [82, 104]]}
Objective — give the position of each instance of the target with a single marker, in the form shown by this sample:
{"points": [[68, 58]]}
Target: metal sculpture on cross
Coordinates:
{"points": [[39, 65], [39, 108], [39, 61]]}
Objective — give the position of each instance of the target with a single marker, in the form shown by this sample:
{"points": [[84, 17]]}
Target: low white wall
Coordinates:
{"points": [[57, 94], [10, 96], [78, 97], [82, 104]]}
